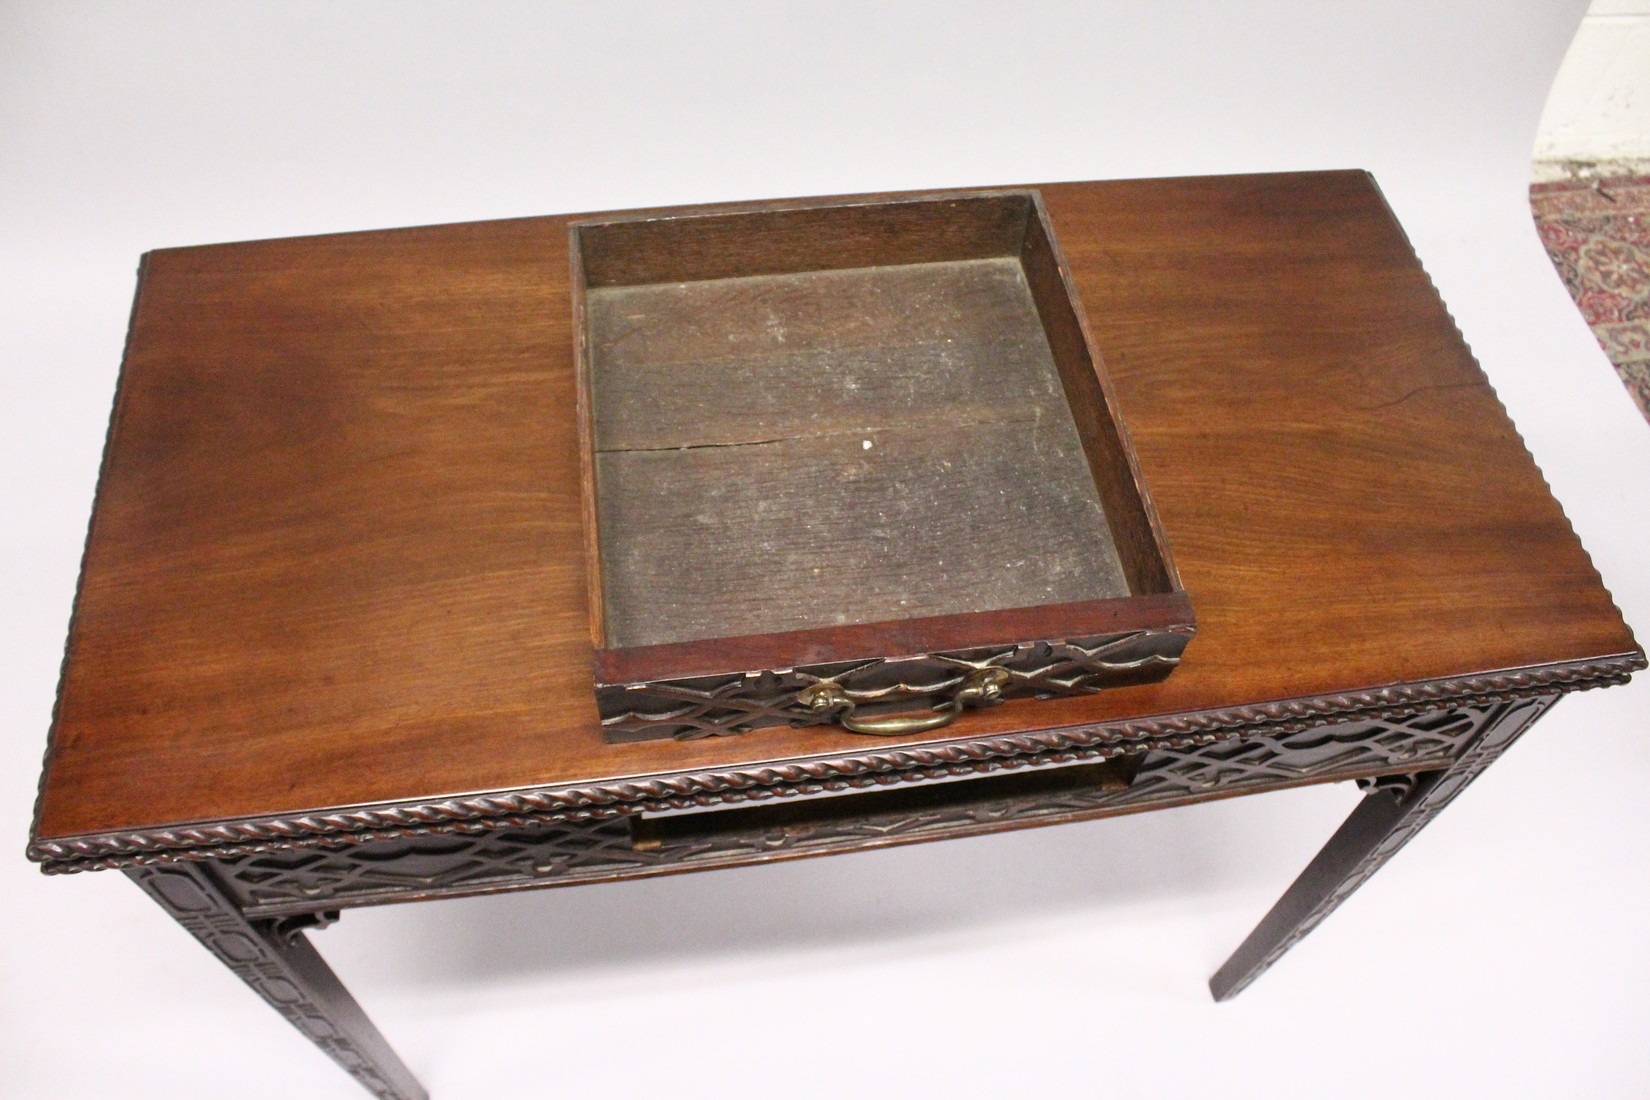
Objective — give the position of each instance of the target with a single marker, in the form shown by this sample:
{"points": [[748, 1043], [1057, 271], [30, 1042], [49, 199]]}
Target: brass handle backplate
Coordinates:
{"points": [[983, 685]]}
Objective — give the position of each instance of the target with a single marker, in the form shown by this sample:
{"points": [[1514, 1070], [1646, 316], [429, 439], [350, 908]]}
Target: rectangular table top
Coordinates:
{"points": [[335, 555]]}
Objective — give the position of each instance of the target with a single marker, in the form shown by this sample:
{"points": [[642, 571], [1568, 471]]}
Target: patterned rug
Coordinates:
{"points": [[1598, 234]]}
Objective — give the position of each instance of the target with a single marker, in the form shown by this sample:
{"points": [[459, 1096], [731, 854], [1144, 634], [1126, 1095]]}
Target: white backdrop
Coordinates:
{"points": [[1503, 953]]}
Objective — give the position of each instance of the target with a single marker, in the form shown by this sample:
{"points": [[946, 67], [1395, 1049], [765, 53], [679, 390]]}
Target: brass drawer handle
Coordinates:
{"points": [[983, 685]]}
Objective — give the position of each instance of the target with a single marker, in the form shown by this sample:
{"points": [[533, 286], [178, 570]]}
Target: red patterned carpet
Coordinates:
{"points": [[1598, 234]]}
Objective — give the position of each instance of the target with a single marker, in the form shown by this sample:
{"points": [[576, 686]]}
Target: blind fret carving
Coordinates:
{"points": [[594, 850]]}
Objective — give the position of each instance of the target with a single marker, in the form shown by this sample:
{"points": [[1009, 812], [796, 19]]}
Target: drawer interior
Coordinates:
{"points": [[839, 415]]}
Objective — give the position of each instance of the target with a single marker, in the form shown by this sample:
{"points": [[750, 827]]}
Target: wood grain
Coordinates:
{"points": [[1142, 550], [335, 558], [832, 447], [678, 246]]}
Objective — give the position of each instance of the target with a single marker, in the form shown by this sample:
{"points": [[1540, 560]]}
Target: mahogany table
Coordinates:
{"points": [[330, 646]]}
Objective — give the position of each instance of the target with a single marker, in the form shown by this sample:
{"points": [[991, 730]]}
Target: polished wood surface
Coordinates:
{"points": [[336, 553]]}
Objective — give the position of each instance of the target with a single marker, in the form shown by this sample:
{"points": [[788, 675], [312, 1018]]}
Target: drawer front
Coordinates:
{"points": [[873, 690]]}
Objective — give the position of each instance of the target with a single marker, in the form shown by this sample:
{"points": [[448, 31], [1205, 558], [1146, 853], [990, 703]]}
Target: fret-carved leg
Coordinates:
{"points": [[277, 961], [1389, 815]]}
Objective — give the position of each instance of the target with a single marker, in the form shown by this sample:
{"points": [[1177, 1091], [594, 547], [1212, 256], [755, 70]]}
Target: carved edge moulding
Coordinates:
{"points": [[810, 775], [1388, 752]]}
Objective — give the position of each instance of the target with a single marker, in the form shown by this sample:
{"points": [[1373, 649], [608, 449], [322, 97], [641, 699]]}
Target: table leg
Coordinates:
{"points": [[1389, 815], [282, 968]]}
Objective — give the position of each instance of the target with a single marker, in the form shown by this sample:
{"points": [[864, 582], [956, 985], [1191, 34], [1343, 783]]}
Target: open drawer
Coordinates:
{"points": [[853, 461]]}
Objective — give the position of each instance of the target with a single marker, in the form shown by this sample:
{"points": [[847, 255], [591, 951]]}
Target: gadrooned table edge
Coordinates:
{"points": [[811, 775]]}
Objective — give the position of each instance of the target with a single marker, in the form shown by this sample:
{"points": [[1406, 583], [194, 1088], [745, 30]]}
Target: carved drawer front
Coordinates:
{"points": [[1092, 782], [872, 689]]}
